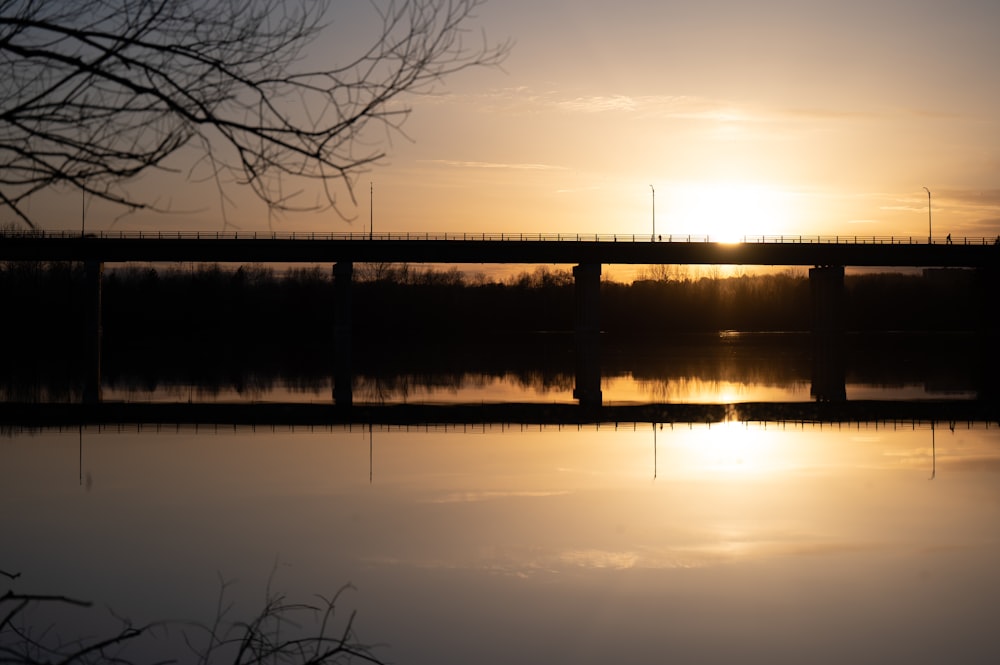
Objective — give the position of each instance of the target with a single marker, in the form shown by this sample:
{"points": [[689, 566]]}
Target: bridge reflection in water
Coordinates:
{"points": [[67, 415]]}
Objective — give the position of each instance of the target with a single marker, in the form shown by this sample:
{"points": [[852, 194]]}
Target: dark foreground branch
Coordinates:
{"points": [[32, 630], [93, 94]]}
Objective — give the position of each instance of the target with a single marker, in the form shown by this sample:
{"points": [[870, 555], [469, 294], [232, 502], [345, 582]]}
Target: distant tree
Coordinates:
{"points": [[95, 92], [377, 272]]}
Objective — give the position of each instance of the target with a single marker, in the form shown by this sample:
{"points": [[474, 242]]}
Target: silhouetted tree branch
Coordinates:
{"points": [[23, 642], [274, 635], [95, 92]]}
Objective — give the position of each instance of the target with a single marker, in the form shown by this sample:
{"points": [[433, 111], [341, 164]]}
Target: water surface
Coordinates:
{"points": [[763, 542], [751, 543]]}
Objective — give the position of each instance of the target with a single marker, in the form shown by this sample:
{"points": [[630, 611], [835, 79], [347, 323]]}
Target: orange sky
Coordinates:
{"points": [[776, 117]]}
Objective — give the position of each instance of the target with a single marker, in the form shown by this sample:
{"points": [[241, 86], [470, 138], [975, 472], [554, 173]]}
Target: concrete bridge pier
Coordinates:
{"points": [[343, 394], [829, 356], [829, 367], [987, 285], [93, 274], [587, 282], [587, 279], [826, 286]]}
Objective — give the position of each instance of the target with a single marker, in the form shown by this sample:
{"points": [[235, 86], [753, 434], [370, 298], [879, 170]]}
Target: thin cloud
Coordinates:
{"points": [[663, 106], [982, 199], [479, 496], [684, 107], [577, 190], [601, 559], [826, 114], [524, 100], [454, 163], [527, 101], [988, 198], [599, 104]]}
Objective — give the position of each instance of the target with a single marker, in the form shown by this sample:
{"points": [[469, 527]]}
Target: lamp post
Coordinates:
{"points": [[654, 212], [929, 234]]}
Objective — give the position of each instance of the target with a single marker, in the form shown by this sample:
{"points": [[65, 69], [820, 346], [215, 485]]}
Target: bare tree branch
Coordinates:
{"points": [[280, 632], [95, 92]]}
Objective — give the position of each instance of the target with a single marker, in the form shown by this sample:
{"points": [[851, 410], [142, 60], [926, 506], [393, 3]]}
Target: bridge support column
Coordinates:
{"points": [[93, 273], [587, 278], [987, 284], [829, 360], [587, 282], [343, 379], [826, 285]]}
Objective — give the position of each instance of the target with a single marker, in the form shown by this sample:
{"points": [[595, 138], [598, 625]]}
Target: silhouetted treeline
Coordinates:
{"points": [[223, 312], [748, 303], [44, 307], [217, 307], [436, 304]]}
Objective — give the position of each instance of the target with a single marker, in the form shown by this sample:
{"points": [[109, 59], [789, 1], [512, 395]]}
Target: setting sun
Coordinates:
{"points": [[729, 212]]}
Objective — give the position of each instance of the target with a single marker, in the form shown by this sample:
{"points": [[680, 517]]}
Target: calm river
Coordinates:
{"points": [[729, 542]]}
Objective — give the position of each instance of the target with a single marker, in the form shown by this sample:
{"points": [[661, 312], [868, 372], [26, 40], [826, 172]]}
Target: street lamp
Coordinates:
{"points": [[654, 212], [929, 234]]}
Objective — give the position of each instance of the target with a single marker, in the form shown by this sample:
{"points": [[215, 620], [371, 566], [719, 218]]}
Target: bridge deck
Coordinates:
{"points": [[498, 248]]}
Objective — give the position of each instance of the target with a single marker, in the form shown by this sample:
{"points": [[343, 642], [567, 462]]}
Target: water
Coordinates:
{"points": [[860, 542], [700, 544], [722, 368]]}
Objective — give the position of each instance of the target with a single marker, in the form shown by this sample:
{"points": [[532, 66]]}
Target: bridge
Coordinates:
{"points": [[827, 257], [31, 416], [515, 248]]}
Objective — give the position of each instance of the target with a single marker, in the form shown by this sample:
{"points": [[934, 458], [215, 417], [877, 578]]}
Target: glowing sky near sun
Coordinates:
{"points": [[772, 117], [747, 118]]}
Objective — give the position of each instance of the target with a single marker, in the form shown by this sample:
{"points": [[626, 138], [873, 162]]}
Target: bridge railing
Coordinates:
{"points": [[358, 236]]}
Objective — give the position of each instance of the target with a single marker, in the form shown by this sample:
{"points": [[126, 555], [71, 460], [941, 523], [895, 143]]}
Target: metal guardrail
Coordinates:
{"points": [[501, 237]]}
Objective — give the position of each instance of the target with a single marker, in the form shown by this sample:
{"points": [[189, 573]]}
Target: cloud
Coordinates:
{"points": [[577, 190], [493, 165], [525, 100], [985, 198], [598, 558], [659, 106], [977, 210], [686, 107], [599, 104], [824, 114], [981, 464], [477, 496]]}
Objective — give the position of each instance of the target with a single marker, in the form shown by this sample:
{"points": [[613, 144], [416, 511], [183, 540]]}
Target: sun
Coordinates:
{"points": [[728, 211]]}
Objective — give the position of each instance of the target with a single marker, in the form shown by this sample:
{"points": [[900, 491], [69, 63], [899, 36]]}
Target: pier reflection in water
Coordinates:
{"points": [[538, 368], [731, 542]]}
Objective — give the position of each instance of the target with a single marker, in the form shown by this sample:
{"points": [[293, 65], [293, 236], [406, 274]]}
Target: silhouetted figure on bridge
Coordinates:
{"points": [[948, 239]]}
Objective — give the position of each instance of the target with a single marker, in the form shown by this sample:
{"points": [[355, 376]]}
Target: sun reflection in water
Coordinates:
{"points": [[732, 448]]}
